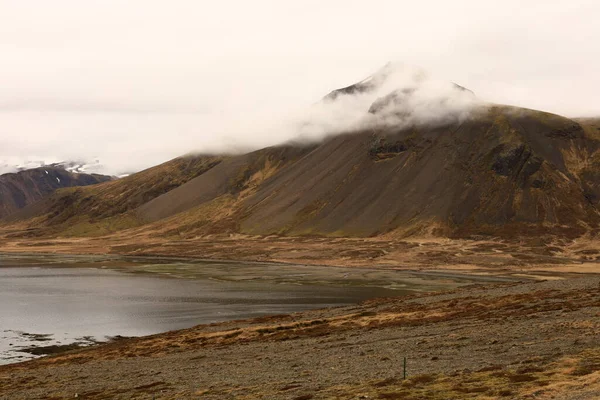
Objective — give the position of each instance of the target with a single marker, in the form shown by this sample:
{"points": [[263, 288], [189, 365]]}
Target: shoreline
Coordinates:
{"points": [[393, 282], [70, 260], [450, 274], [481, 256], [535, 336], [471, 257], [497, 340]]}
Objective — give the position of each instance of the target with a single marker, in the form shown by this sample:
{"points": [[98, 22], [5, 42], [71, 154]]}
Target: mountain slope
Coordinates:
{"points": [[234, 176], [81, 209], [20, 189], [504, 171], [428, 159], [504, 166]]}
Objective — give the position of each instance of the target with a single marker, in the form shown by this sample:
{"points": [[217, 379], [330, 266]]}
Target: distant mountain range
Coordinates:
{"points": [[83, 167], [482, 169], [22, 188]]}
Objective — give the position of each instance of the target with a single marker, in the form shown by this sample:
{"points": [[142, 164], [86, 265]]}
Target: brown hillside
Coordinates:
{"points": [[90, 205], [503, 171], [232, 176], [507, 169], [589, 170], [20, 189]]}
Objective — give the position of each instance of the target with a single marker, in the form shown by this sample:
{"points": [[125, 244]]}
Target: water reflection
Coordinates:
{"points": [[81, 298]]}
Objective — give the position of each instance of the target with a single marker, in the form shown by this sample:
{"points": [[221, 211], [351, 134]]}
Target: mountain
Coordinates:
{"points": [[20, 189], [80, 207], [506, 171], [80, 166], [392, 78], [429, 159]]}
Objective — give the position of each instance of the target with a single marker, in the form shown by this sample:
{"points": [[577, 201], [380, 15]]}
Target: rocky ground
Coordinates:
{"points": [[511, 340]]}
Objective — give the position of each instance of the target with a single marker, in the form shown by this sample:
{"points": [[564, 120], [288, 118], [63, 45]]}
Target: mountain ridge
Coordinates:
{"points": [[482, 169], [20, 189]]}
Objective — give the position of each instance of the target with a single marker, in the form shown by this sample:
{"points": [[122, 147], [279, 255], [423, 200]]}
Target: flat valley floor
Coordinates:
{"points": [[537, 258]]}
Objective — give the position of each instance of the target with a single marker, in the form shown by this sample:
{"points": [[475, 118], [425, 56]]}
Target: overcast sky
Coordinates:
{"points": [[135, 82]]}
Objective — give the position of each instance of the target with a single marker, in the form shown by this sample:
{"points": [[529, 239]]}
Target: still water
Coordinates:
{"points": [[57, 300]]}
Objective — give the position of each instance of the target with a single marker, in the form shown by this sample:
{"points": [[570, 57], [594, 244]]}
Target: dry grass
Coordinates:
{"points": [[559, 321], [551, 378]]}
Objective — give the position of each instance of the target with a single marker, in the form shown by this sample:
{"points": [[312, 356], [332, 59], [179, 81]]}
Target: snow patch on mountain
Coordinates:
{"points": [[77, 167]]}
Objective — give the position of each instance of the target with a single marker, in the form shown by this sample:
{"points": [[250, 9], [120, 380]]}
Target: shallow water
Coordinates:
{"points": [[65, 299]]}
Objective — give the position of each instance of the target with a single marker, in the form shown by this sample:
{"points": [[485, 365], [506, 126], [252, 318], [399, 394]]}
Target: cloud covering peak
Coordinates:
{"points": [[398, 95], [136, 83]]}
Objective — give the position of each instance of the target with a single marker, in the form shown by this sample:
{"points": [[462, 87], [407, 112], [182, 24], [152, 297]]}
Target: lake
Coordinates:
{"points": [[58, 300]]}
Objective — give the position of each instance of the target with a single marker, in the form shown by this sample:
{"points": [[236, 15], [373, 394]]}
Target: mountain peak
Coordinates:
{"points": [[391, 77], [74, 166], [402, 95]]}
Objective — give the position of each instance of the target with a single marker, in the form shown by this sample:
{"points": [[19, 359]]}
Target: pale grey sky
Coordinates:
{"points": [[134, 82]]}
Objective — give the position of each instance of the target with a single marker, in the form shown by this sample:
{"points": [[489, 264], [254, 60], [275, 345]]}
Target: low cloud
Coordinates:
{"points": [[403, 95], [137, 83], [397, 95]]}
